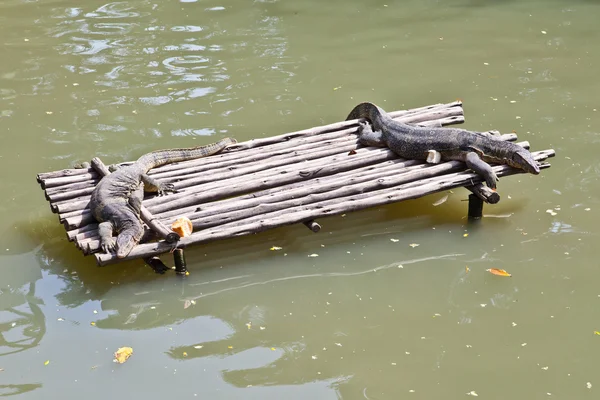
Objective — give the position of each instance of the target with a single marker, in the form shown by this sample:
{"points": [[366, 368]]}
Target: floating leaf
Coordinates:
{"points": [[273, 348], [92, 323], [185, 354], [46, 362], [465, 235], [413, 245], [596, 333], [275, 248], [186, 304], [122, 354], [499, 272], [313, 255], [395, 240], [440, 201], [467, 269]]}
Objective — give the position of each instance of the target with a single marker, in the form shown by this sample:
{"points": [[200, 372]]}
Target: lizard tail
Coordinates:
{"points": [[162, 157], [376, 115]]}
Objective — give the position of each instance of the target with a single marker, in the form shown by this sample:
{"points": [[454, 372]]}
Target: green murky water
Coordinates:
{"points": [[371, 317]]}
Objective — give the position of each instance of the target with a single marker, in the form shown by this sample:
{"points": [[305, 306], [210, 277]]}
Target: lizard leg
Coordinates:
{"points": [[107, 243], [482, 168], [153, 185], [369, 137], [135, 199]]}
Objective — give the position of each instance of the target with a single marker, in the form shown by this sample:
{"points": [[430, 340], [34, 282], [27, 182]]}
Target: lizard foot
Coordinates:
{"points": [[491, 179], [108, 245], [164, 188]]}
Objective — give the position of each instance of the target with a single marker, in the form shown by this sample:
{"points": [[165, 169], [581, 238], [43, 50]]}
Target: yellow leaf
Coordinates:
{"points": [[499, 272], [122, 354], [596, 333], [92, 323], [230, 347], [465, 235], [47, 362], [413, 245], [467, 269], [274, 248], [184, 354], [273, 348]]}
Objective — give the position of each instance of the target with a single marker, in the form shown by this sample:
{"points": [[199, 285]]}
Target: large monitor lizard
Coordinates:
{"points": [[476, 149], [116, 201]]}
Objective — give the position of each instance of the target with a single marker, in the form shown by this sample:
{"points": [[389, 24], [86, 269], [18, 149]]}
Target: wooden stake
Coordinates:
{"points": [[475, 207], [312, 225]]}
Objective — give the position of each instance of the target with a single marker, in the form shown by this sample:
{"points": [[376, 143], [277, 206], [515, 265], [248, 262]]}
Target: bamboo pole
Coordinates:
{"points": [[452, 112], [319, 193], [321, 209], [248, 183], [233, 209], [63, 173]]}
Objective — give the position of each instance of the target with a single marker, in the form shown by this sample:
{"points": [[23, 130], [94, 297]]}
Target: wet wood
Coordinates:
{"points": [[323, 209], [268, 182]]}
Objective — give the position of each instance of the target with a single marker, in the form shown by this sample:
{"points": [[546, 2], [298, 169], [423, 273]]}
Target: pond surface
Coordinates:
{"points": [[373, 316]]}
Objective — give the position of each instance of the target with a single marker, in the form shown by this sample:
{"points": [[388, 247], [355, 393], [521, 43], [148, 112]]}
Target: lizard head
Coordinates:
{"points": [[125, 243], [523, 159]]}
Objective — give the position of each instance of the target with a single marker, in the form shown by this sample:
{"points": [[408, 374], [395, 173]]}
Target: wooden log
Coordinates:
{"points": [[450, 110], [145, 215], [475, 207], [270, 178], [53, 182], [87, 213], [484, 193], [70, 187], [312, 225], [368, 171], [319, 193], [323, 209], [60, 196], [62, 208], [227, 206], [63, 173], [73, 220], [70, 195], [353, 176], [72, 234]]}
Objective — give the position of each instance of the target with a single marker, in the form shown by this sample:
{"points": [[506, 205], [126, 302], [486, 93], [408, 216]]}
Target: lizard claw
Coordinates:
{"points": [[491, 180], [362, 125], [108, 245], [165, 188]]}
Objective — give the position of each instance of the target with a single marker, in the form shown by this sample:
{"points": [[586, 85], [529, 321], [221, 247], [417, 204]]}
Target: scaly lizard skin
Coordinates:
{"points": [[415, 142], [117, 199]]}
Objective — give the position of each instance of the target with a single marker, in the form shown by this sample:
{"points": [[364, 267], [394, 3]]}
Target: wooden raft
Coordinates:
{"points": [[270, 182]]}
